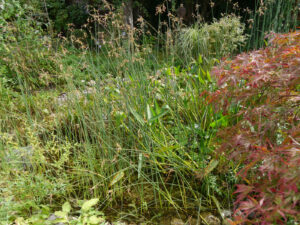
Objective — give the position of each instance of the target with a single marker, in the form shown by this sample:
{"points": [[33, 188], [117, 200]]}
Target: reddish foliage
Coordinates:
{"points": [[264, 135]]}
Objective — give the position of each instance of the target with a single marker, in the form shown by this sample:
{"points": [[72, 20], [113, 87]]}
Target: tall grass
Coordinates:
{"points": [[123, 125], [278, 16]]}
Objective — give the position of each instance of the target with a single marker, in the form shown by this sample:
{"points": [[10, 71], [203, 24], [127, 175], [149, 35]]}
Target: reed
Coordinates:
{"points": [[279, 16]]}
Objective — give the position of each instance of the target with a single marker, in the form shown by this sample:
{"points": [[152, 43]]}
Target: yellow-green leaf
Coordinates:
{"points": [[66, 207], [95, 220], [210, 167], [117, 178], [61, 214], [89, 204]]}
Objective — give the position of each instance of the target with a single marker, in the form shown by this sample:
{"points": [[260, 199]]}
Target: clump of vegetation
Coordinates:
{"points": [[87, 215], [218, 39], [28, 57], [262, 87]]}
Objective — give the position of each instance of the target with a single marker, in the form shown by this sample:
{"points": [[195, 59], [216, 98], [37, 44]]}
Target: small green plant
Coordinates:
{"points": [[87, 215]]}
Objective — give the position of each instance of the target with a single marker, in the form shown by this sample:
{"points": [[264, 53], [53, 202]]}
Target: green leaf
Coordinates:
{"points": [[21, 221], [157, 108], [95, 220], [177, 70], [208, 76], [61, 214], [66, 207], [140, 165], [218, 206], [200, 61], [158, 116], [168, 71], [149, 114], [164, 112], [89, 204], [202, 71], [117, 178], [210, 167], [137, 116], [223, 121], [200, 78]]}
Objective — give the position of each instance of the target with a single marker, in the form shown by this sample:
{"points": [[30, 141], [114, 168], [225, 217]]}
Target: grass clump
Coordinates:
{"points": [[218, 39]]}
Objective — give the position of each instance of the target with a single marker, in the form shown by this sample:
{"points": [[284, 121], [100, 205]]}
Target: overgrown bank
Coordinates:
{"points": [[139, 128]]}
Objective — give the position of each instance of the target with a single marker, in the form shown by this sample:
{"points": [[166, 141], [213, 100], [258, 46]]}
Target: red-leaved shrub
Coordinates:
{"points": [[259, 95]]}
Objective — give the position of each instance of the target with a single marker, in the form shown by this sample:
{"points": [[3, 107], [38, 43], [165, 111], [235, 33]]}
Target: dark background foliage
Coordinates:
{"points": [[64, 12]]}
